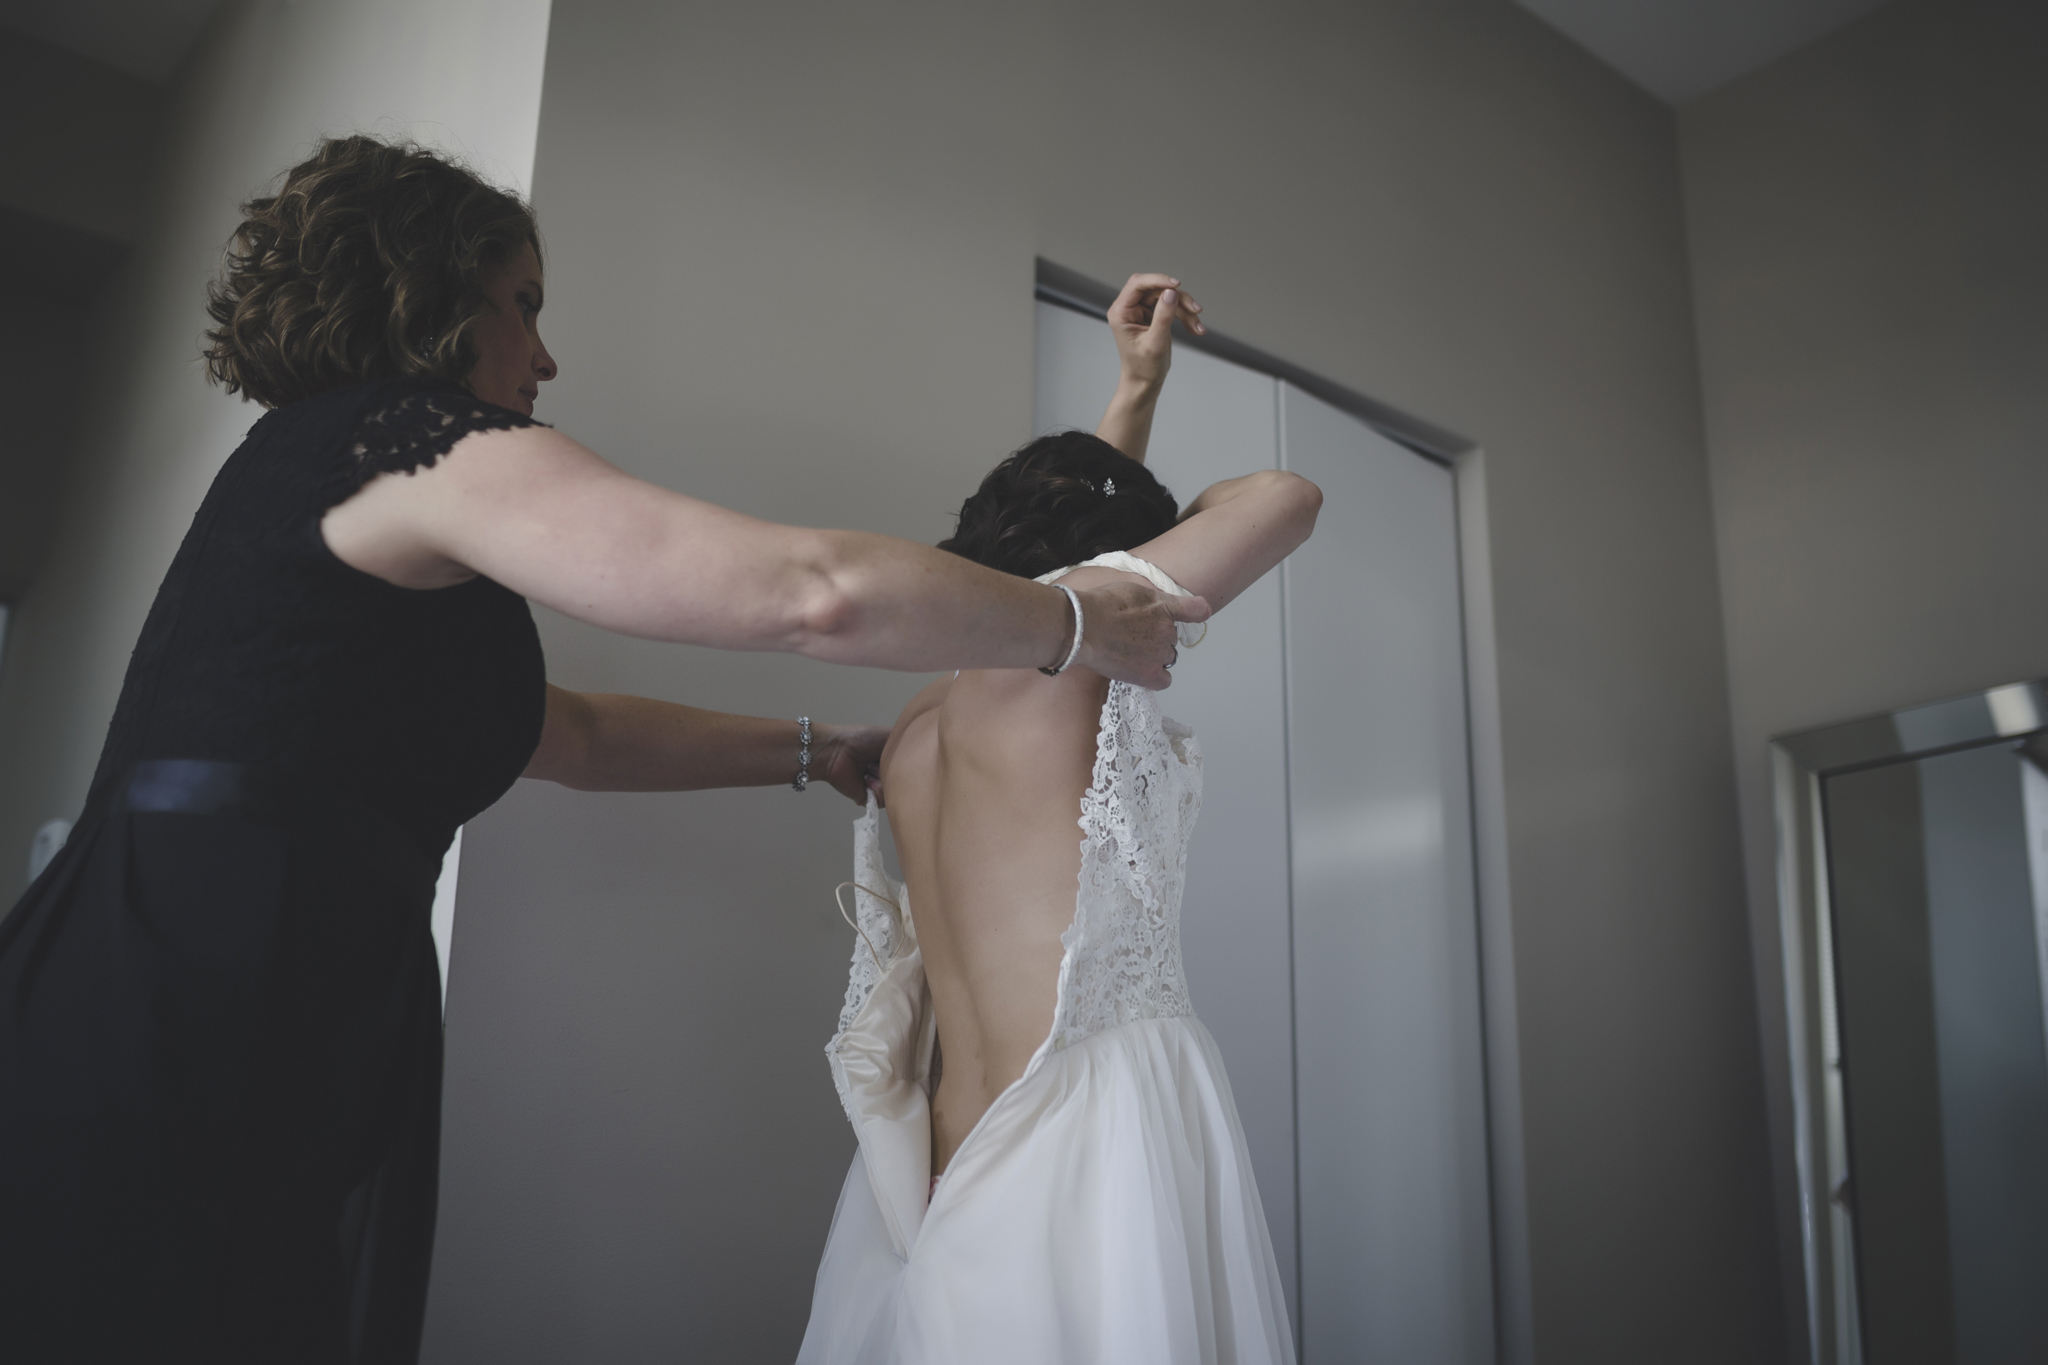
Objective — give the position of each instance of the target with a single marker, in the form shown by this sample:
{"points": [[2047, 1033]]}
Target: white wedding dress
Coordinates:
{"points": [[1103, 1209]]}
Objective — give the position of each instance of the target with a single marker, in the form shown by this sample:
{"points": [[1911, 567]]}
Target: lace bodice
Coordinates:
{"points": [[882, 932], [1123, 949], [1123, 957]]}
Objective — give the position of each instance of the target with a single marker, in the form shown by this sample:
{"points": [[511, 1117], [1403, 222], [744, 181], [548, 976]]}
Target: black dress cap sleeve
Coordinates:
{"points": [[413, 429]]}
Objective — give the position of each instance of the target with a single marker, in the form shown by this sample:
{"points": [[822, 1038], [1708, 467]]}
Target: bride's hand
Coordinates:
{"points": [[1141, 320], [1130, 631], [850, 758]]}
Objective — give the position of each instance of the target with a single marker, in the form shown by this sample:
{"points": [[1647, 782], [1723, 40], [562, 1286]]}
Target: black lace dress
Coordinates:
{"points": [[220, 1027]]}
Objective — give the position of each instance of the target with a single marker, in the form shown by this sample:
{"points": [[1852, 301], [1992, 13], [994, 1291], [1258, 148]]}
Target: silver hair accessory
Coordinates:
{"points": [[1109, 488]]}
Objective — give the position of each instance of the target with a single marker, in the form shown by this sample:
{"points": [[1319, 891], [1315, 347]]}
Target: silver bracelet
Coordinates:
{"points": [[1076, 601], [803, 754]]}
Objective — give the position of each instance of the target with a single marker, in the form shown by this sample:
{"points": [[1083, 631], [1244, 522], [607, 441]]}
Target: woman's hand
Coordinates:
{"points": [[850, 758], [1130, 630], [1141, 320]]}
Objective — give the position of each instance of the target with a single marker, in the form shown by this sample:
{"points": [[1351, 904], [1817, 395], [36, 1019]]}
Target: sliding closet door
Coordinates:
{"points": [[1217, 421], [1395, 1222], [1330, 920]]}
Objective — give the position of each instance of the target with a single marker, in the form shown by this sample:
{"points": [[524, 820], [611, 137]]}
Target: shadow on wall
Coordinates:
{"points": [[54, 276]]}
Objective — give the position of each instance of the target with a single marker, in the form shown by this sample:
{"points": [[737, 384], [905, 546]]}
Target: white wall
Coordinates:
{"points": [[791, 271], [1867, 220], [266, 80]]}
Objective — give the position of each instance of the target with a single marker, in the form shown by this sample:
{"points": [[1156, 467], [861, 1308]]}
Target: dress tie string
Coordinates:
{"points": [[843, 914]]}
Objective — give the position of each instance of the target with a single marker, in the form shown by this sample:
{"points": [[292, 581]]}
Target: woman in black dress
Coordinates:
{"points": [[220, 1043]]}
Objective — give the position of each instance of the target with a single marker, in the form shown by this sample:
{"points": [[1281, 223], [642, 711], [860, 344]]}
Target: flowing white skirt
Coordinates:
{"points": [[1103, 1210]]}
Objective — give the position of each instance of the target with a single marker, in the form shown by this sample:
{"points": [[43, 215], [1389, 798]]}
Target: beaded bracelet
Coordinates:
{"points": [[803, 754]]}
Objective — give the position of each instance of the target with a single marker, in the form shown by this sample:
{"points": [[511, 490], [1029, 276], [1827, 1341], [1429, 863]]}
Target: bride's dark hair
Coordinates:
{"points": [[1064, 498]]}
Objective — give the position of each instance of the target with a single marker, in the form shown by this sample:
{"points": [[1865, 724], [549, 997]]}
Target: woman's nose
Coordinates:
{"points": [[544, 364]]}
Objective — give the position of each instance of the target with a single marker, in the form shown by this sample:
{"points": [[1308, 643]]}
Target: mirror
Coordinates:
{"points": [[1914, 887]]}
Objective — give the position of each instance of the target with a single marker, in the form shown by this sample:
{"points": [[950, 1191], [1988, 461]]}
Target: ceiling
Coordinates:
{"points": [[145, 38], [1679, 50]]}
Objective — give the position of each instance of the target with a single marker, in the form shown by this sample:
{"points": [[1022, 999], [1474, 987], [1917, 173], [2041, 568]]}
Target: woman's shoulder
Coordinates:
{"points": [[405, 425], [406, 409], [355, 433], [912, 748], [929, 698]]}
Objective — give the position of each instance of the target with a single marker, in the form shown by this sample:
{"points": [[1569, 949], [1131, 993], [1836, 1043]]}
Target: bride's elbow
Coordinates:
{"points": [[1298, 500], [1308, 494]]}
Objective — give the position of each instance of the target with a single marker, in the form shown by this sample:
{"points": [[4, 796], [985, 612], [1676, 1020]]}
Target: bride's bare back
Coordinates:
{"points": [[985, 774]]}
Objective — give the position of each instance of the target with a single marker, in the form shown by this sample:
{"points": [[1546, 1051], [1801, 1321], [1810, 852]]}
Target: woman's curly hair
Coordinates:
{"points": [[368, 263], [1064, 498]]}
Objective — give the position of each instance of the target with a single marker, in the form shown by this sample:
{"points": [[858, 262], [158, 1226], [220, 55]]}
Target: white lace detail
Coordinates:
{"points": [[1123, 949], [1123, 957], [880, 922]]}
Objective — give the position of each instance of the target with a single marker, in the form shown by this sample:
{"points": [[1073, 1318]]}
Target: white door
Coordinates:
{"points": [[1330, 920]]}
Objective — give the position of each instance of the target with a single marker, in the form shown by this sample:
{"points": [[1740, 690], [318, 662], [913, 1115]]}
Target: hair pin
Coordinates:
{"points": [[1109, 488]]}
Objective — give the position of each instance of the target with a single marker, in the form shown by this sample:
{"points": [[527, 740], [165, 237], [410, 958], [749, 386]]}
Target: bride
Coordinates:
{"points": [[1050, 1166]]}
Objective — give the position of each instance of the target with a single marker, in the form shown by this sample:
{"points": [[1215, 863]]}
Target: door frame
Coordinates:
{"points": [[1800, 762]]}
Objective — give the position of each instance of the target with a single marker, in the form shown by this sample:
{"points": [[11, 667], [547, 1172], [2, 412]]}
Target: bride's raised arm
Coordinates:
{"points": [[1141, 320], [1235, 531], [1231, 535]]}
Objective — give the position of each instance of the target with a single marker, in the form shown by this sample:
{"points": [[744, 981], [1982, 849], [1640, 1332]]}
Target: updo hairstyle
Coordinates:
{"points": [[368, 263], [1051, 504]]}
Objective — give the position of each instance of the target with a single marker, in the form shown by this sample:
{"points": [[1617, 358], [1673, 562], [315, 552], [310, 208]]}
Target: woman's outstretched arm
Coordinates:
{"points": [[546, 517], [1141, 320], [600, 742]]}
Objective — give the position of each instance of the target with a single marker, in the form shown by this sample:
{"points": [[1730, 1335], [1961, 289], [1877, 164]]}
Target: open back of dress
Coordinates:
{"points": [[1103, 1209]]}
